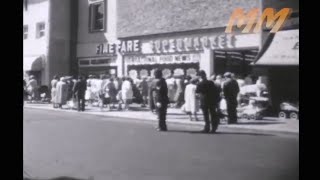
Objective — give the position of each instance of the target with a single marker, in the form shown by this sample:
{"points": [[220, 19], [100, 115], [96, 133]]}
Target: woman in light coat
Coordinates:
{"points": [[191, 101], [54, 83], [62, 92], [126, 93]]}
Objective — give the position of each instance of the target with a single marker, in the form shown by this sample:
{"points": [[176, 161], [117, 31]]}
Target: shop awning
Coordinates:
{"points": [[33, 63], [281, 48]]}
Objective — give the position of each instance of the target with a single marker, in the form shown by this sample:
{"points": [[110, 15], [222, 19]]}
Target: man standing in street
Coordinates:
{"points": [[209, 100], [159, 92], [79, 90], [230, 91]]}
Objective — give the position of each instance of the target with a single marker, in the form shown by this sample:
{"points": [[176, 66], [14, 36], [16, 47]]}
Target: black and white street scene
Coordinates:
{"points": [[160, 90]]}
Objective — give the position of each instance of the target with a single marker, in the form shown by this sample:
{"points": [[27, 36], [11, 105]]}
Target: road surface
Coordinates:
{"points": [[83, 146]]}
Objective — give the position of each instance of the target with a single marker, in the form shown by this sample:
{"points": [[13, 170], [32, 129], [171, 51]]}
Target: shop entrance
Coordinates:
{"points": [[97, 71], [234, 61]]}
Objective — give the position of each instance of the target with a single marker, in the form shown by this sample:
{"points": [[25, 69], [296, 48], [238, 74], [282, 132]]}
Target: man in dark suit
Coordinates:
{"points": [[79, 90], [209, 100], [230, 91], [159, 93]]}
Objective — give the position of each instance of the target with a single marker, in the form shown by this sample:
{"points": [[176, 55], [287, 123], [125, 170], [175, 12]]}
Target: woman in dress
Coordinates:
{"points": [[61, 92], [191, 102], [54, 83], [126, 93]]}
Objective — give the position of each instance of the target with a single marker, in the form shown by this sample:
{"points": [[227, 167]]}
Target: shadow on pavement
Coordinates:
{"points": [[221, 133], [58, 178], [258, 123]]}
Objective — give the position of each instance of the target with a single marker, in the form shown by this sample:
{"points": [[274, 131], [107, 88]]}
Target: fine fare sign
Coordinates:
{"points": [[124, 47]]}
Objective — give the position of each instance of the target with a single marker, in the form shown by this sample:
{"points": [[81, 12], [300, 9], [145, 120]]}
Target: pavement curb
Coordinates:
{"points": [[200, 124]]}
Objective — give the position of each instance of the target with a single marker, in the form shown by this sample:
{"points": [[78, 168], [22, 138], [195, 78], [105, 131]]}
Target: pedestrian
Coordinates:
{"points": [[191, 105], [230, 91], [179, 97], [54, 83], [111, 93], [62, 92], [144, 88], [70, 84], [79, 90], [32, 87], [88, 94], [209, 99], [25, 93], [172, 87], [151, 86], [159, 91], [126, 93]]}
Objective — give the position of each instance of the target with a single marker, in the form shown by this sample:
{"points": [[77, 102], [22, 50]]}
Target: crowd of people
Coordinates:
{"points": [[190, 93]]}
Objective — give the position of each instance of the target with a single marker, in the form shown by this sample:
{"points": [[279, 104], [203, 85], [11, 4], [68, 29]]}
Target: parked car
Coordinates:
{"points": [[289, 110]]}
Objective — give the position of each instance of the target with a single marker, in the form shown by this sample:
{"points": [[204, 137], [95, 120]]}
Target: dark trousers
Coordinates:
{"points": [[214, 120], [232, 110], [162, 113], [81, 103]]}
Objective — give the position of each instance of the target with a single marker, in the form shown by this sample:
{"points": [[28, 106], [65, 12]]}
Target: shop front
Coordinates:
{"points": [[279, 60], [185, 53], [34, 65], [172, 64], [97, 66]]}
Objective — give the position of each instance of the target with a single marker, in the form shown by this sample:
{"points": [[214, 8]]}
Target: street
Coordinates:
{"points": [[82, 146]]}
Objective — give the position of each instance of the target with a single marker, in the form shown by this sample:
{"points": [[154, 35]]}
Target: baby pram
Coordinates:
{"points": [[44, 94]]}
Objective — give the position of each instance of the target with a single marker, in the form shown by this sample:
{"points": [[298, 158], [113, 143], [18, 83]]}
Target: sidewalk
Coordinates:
{"points": [[268, 124]]}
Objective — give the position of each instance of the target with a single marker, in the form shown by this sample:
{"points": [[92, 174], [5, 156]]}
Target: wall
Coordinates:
{"points": [[87, 42], [142, 17], [37, 11], [59, 41]]}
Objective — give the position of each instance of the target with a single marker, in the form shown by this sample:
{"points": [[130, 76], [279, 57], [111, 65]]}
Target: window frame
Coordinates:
{"points": [[104, 19], [38, 30], [25, 33]]}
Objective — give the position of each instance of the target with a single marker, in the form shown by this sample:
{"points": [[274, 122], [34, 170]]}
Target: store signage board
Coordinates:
{"points": [[284, 49], [162, 59], [187, 44], [124, 47], [94, 1]]}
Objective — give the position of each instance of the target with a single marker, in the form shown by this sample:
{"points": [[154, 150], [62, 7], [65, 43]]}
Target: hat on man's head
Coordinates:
{"points": [[227, 75], [158, 73], [202, 73]]}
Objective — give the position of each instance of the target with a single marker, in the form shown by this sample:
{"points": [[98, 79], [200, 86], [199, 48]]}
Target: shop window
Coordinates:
{"points": [[40, 30], [166, 73], [25, 32], [25, 4], [97, 19], [191, 72], [143, 73], [178, 72], [152, 72], [84, 62], [133, 74], [100, 61]]}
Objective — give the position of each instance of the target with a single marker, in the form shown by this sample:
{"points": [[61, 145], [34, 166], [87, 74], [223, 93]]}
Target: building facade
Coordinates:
{"points": [[47, 39], [182, 37]]}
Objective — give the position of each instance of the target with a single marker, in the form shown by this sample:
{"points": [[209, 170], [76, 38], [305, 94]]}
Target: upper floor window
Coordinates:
{"points": [[25, 4], [40, 30], [97, 21], [25, 32]]}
